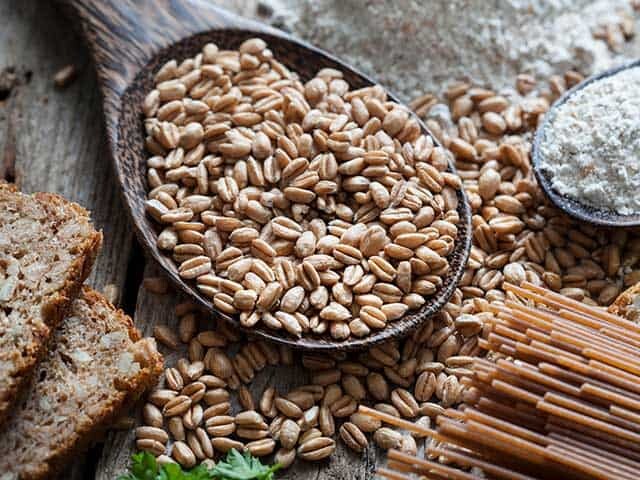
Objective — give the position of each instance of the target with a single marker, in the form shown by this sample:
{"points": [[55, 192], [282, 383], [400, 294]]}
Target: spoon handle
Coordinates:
{"points": [[123, 35]]}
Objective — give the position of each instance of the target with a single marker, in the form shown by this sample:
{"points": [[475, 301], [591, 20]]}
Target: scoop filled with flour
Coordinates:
{"points": [[591, 145]]}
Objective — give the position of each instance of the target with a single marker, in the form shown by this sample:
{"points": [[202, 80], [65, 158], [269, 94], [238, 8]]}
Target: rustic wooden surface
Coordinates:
{"points": [[52, 140]]}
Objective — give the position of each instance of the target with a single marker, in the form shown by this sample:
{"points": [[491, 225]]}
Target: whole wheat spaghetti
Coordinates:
{"points": [[558, 396]]}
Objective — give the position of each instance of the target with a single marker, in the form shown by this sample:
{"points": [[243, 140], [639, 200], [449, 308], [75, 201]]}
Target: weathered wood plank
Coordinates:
{"points": [[57, 134], [51, 140]]}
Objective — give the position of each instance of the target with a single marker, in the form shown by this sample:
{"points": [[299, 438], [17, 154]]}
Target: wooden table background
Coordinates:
{"points": [[52, 140]]}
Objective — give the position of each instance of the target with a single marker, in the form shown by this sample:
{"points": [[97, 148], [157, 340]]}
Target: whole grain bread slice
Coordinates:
{"points": [[47, 249], [96, 366]]}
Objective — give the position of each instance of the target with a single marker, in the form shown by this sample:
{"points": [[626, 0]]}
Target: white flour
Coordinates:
{"points": [[592, 144], [414, 46]]}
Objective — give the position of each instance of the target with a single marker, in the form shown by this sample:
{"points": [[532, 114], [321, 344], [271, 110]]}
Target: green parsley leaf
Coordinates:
{"points": [[235, 467], [143, 467], [200, 473], [171, 471], [243, 467]]}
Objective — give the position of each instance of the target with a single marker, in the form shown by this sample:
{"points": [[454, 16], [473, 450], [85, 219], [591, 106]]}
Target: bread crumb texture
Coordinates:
{"points": [[627, 304], [97, 364], [47, 248]]}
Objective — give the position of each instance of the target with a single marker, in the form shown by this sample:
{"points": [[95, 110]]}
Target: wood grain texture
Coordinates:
{"points": [[53, 139], [109, 26], [57, 135]]}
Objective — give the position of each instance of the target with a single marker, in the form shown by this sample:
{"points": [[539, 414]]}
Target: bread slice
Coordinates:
{"points": [[96, 366], [627, 304], [47, 248]]}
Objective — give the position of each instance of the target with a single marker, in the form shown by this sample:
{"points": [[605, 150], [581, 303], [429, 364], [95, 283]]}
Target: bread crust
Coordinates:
{"points": [[54, 311], [125, 395], [619, 306]]}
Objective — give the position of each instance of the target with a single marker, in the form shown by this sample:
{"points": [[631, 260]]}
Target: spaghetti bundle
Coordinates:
{"points": [[559, 399]]}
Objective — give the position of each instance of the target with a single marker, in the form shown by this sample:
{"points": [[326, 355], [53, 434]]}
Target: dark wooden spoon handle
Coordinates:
{"points": [[124, 34]]}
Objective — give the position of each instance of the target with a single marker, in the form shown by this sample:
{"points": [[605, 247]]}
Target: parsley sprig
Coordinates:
{"points": [[235, 466], [243, 467]]}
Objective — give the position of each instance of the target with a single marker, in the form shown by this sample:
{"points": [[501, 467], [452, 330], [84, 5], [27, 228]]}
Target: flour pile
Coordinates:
{"points": [[591, 146], [414, 46]]}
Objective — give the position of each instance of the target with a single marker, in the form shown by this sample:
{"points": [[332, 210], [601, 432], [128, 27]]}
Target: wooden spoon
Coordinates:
{"points": [[129, 41]]}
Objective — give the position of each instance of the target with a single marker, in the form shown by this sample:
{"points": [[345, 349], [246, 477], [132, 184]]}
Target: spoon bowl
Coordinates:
{"points": [[130, 42], [572, 207]]}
